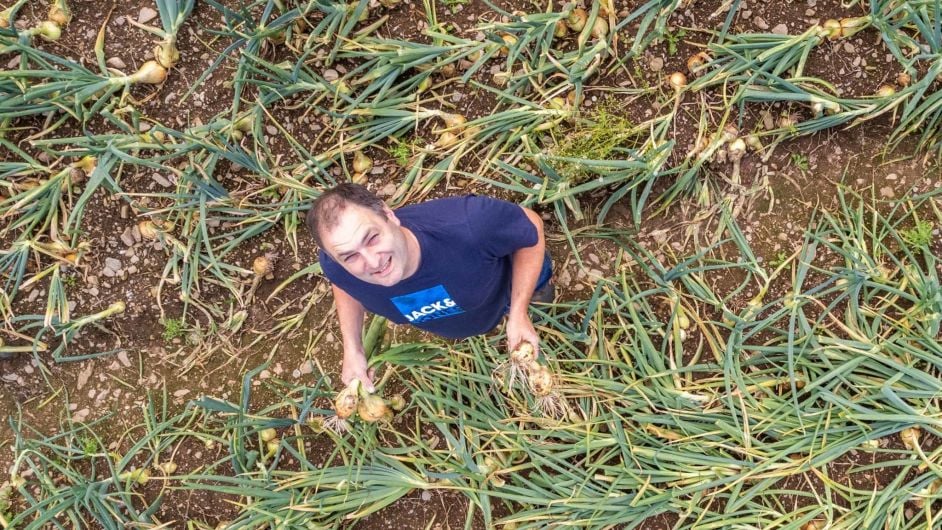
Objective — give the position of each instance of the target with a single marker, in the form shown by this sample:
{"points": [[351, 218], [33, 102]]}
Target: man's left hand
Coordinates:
{"points": [[520, 329]]}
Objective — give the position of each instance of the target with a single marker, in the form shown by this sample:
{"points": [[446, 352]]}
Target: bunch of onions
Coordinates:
{"points": [[521, 358], [454, 126]]}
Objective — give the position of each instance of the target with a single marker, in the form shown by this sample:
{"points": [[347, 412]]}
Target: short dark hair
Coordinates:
{"points": [[326, 209]]}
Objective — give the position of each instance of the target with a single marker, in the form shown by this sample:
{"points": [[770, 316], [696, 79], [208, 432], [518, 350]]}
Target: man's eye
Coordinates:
{"points": [[349, 259], [373, 239]]}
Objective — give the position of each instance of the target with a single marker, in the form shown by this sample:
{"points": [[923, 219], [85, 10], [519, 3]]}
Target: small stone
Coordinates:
{"points": [[92, 291], [426, 496], [781, 29], [146, 15], [306, 367], [113, 264], [14, 62], [265, 374], [271, 129], [378, 170], [656, 64], [80, 416], [182, 392], [116, 62], [119, 21], [132, 269], [123, 213], [127, 237], [84, 375], [388, 189], [849, 48], [760, 23], [136, 233], [123, 357], [887, 191], [331, 75], [162, 180]]}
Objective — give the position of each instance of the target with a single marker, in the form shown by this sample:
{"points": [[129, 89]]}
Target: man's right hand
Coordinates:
{"points": [[355, 367]]}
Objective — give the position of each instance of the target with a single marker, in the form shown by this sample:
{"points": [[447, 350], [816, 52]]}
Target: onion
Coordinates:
{"points": [[397, 402], [814, 524], [268, 434], [272, 446], [677, 81], [59, 13], [262, 265], [600, 28], [139, 475], [446, 140], [560, 30], [904, 79], [148, 229], [361, 162], [910, 437], [697, 62], [345, 404], [166, 54], [167, 467], [454, 121], [524, 354], [372, 408], [509, 40], [737, 149], [787, 121], [448, 70], [5, 17], [424, 85], [831, 29], [150, 73], [49, 30], [540, 379], [577, 19], [851, 25], [885, 91], [753, 142]]}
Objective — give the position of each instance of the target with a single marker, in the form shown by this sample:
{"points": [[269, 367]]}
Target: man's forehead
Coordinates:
{"points": [[350, 226]]}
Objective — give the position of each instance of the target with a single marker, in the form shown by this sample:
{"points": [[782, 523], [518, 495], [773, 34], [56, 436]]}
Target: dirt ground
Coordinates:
{"points": [[157, 348]]}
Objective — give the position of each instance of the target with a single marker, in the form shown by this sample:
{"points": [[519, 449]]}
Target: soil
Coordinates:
{"points": [[163, 345]]}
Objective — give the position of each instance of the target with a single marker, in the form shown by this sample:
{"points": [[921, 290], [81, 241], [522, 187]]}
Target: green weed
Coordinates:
{"points": [[800, 161], [173, 329], [598, 138], [673, 38], [919, 236]]}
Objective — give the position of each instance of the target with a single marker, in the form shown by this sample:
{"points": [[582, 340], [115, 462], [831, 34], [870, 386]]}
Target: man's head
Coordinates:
{"points": [[356, 229]]}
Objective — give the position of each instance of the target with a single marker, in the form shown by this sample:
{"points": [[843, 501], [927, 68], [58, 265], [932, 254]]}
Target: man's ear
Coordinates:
{"points": [[391, 216]]}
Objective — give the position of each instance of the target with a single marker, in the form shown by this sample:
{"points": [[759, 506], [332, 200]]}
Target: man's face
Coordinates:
{"points": [[371, 247]]}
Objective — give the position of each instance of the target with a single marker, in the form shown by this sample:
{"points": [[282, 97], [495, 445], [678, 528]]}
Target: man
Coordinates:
{"points": [[453, 266]]}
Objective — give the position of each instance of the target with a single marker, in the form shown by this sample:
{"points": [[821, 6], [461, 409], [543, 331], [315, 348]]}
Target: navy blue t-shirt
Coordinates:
{"points": [[462, 286]]}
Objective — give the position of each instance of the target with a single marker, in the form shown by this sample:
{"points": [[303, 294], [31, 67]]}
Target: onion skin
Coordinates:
{"points": [[372, 408]]}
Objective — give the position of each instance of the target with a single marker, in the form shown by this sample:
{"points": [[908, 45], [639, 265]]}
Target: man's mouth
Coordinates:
{"points": [[386, 267]]}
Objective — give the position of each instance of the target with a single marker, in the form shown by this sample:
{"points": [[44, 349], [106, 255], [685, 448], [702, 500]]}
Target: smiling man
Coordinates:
{"points": [[453, 267]]}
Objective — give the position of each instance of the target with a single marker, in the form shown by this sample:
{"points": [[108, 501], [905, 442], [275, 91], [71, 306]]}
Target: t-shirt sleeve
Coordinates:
{"points": [[499, 227]]}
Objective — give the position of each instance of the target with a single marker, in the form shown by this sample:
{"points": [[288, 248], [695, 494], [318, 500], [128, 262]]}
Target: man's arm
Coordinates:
{"points": [[527, 264], [351, 313]]}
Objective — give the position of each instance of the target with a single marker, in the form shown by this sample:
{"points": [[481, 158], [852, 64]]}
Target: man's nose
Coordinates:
{"points": [[372, 259]]}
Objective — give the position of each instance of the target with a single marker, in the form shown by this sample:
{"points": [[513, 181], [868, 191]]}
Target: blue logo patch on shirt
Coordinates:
{"points": [[428, 304]]}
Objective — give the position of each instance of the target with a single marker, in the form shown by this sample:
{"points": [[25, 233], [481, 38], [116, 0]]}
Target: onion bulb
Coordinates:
{"points": [[577, 19], [813, 524], [560, 30], [910, 437], [139, 475], [361, 162], [831, 29], [397, 402], [150, 73], [48, 30], [736, 149], [446, 140], [885, 91], [166, 54], [268, 434], [345, 404], [697, 62], [524, 354], [509, 40], [148, 229], [262, 265], [59, 13], [904, 79], [5, 17], [167, 468], [540, 379], [454, 121], [600, 28], [677, 81], [372, 408], [448, 70]]}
